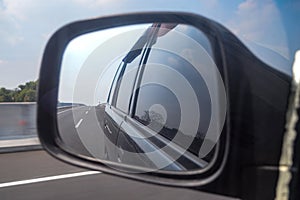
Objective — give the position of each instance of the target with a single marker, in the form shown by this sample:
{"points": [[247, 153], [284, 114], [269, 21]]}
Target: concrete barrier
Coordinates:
{"points": [[17, 120], [18, 126]]}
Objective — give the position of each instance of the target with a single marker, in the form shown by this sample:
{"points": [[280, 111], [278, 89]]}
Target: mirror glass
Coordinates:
{"points": [[145, 95]]}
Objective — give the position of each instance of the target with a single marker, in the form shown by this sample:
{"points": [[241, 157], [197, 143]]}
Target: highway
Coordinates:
{"points": [[30, 166], [35, 175]]}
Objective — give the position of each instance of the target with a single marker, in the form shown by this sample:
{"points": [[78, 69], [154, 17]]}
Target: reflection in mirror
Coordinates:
{"points": [[147, 95]]}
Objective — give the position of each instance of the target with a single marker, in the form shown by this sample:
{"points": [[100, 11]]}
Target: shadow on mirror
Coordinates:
{"points": [[147, 95]]}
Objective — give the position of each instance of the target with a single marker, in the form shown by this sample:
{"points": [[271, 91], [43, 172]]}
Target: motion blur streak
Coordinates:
{"points": [[285, 176]]}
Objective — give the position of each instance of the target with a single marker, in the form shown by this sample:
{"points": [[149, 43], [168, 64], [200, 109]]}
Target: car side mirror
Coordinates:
{"points": [[141, 96]]}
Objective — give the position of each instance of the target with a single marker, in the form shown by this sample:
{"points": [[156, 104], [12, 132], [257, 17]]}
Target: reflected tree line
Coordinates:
{"points": [[156, 122]]}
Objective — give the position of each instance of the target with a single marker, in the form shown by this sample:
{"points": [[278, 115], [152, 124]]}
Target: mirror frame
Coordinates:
{"points": [[48, 96]]}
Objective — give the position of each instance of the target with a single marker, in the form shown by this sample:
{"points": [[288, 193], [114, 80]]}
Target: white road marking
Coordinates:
{"points": [[78, 124], [86, 112], [49, 178]]}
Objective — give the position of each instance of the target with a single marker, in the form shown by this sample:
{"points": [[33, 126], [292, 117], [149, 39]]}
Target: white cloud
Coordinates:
{"points": [[26, 25], [247, 5], [209, 4], [35, 9], [16, 9], [259, 21], [91, 3], [253, 18], [10, 30]]}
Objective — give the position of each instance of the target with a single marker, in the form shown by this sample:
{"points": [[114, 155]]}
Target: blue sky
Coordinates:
{"points": [[26, 25]]}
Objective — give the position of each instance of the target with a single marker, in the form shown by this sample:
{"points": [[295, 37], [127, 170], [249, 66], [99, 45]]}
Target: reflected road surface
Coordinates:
{"points": [[80, 130]]}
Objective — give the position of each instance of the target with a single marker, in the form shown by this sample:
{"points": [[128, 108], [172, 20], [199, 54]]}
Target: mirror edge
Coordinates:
{"points": [[49, 83]]}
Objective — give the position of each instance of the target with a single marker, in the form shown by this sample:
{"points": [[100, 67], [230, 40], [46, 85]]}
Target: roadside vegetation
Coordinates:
{"points": [[23, 93]]}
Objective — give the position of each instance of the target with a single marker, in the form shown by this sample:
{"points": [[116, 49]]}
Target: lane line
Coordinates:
{"points": [[49, 178], [78, 124], [86, 112]]}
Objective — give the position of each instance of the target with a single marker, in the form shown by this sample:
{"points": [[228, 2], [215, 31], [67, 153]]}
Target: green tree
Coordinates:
{"points": [[24, 93], [30, 96], [5, 95]]}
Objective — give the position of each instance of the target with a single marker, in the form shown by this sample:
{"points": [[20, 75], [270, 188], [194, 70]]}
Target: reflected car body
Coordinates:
{"points": [[143, 115]]}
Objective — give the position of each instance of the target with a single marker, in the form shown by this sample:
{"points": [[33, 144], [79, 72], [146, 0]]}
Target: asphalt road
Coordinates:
{"points": [[36, 175], [80, 130], [29, 167]]}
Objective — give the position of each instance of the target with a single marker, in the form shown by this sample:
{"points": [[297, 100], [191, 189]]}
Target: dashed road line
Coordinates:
{"points": [[78, 124]]}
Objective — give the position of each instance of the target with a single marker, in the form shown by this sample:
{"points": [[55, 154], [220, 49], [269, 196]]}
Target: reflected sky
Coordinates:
{"points": [[86, 67]]}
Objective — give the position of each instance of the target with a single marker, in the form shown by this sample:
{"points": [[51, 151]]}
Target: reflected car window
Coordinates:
{"points": [[157, 107], [125, 85], [151, 95]]}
